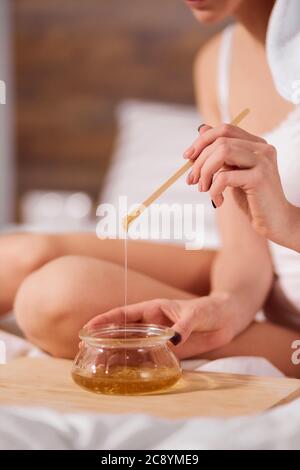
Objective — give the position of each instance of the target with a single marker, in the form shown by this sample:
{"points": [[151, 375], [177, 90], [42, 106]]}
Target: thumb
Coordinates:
{"points": [[204, 128]]}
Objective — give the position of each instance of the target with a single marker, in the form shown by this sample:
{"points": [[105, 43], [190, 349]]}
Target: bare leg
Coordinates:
{"points": [[170, 264], [54, 302], [267, 340], [21, 254]]}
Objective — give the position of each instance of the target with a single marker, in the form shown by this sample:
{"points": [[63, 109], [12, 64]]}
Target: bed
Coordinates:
{"points": [[37, 397], [37, 426]]}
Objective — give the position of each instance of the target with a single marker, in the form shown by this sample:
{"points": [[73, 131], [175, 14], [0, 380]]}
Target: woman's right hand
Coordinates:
{"points": [[229, 157]]}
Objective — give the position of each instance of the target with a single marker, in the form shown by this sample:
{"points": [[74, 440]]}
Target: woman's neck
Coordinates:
{"points": [[254, 16]]}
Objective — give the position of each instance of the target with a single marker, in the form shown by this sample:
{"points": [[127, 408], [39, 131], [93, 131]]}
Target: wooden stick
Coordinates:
{"points": [[136, 213]]}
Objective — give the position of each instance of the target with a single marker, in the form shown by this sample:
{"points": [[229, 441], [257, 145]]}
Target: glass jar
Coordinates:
{"points": [[131, 360]]}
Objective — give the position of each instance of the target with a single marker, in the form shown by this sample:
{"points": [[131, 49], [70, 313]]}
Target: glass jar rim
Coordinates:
{"points": [[100, 336]]}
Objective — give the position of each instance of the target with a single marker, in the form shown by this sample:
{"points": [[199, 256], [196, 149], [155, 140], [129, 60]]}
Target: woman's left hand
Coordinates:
{"points": [[227, 156], [215, 317]]}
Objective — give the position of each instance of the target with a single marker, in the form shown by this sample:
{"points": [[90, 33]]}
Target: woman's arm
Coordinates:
{"points": [[228, 157], [243, 267], [291, 235], [242, 273]]}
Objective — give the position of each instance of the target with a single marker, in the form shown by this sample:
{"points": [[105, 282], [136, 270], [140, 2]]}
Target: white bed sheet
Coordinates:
{"points": [[22, 428]]}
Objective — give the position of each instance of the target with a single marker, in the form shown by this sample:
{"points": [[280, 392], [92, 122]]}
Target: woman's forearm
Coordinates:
{"points": [[290, 236], [246, 277]]}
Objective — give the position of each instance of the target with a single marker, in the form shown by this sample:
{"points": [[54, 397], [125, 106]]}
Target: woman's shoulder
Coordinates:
{"points": [[206, 79]]}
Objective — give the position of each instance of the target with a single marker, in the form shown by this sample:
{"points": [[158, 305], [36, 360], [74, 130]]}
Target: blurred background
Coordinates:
{"points": [[69, 65]]}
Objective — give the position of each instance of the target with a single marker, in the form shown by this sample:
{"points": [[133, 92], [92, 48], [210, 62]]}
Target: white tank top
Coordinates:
{"points": [[286, 139]]}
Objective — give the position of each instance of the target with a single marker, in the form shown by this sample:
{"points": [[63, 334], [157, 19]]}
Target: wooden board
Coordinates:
{"points": [[47, 382]]}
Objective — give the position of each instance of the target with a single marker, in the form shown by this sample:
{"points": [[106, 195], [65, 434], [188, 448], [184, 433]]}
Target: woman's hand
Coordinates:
{"points": [[227, 156], [215, 317]]}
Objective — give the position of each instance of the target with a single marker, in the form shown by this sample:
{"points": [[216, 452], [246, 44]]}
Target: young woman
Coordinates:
{"points": [[57, 283]]}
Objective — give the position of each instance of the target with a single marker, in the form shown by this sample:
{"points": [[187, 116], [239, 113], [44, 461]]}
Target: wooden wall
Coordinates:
{"points": [[74, 60]]}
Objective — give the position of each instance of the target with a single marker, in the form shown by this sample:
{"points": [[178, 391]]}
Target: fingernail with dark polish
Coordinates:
{"points": [[190, 178], [176, 339], [199, 128], [213, 204]]}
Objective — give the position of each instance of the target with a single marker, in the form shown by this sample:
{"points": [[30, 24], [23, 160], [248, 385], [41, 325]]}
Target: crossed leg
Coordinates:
{"points": [[21, 254], [54, 302], [59, 282], [47, 277]]}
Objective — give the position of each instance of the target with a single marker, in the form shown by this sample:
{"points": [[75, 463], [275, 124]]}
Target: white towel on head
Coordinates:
{"points": [[283, 48]]}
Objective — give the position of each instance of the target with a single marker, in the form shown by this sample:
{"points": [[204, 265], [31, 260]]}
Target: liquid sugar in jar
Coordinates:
{"points": [[131, 360]]}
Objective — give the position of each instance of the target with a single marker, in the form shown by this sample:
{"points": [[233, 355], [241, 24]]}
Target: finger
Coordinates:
{"points": [[228, 154], [225, 130], [201, 130], [157, 316], [217, 200], [185, 325], [233, 179], [113, 316], [195, 173], [200, 343], [190, 178], [204, 128], [222, 150], [130, 313]]}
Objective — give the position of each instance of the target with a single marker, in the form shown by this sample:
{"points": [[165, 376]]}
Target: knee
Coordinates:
{"points": [[45, 307]]}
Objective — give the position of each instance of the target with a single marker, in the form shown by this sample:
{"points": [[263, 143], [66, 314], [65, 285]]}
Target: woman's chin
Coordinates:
{"points": [[206, 16]]}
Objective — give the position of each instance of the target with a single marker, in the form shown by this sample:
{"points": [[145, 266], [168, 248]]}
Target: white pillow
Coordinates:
{"points": [[151, 141]]}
